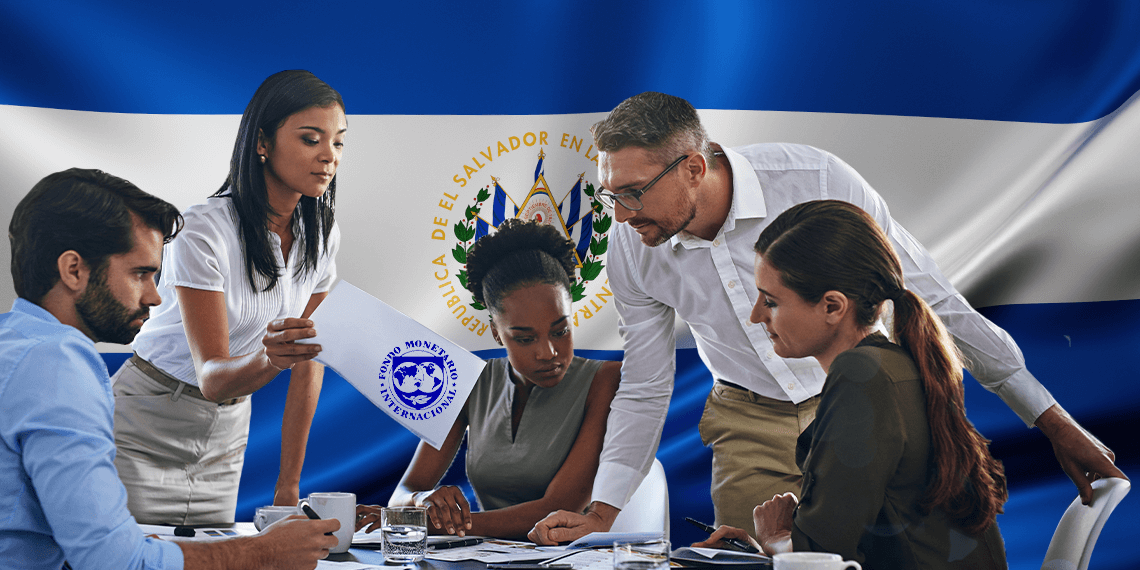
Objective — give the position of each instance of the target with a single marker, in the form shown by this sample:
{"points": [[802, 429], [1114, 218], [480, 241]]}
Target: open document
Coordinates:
{"points": [[415, 375]]}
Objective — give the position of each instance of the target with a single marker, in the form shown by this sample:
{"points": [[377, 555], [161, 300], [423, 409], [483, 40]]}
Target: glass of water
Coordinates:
{"points": [[651, 555], [404, 533]]}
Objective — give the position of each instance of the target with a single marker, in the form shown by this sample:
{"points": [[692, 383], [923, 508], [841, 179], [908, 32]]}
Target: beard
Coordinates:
{"points": [[103, 314], [667, 228]]}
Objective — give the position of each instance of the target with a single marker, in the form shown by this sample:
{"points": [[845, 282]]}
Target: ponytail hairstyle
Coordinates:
{"points": [[829, 245], [281, 95], [519, 254]]}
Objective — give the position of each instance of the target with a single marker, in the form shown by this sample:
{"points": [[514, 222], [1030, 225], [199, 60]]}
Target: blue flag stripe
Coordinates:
{"points": [[1049, 61]]}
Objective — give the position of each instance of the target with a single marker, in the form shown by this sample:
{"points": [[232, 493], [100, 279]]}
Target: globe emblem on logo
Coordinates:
{"points": [[419, 381]]}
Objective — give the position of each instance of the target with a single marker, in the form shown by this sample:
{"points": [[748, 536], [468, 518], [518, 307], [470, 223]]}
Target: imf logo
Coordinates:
{"points": [[418, 380]]}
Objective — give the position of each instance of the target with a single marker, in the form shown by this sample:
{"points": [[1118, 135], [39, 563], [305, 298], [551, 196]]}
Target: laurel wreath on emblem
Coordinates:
{"points": [[591, 264]]}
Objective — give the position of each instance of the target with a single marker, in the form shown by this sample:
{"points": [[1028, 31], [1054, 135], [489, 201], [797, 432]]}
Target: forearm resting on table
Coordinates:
{"points": [[516, 521]]}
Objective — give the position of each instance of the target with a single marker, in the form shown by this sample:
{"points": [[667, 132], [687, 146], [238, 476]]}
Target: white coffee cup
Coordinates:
{"points": [[812, 561], [268, 515], [339, 506]]}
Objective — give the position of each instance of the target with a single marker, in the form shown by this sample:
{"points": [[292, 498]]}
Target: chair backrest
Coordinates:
{"points": [[1076, 534], [648, 508]]}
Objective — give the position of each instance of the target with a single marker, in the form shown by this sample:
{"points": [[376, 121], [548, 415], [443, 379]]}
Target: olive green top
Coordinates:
{"points": [[865, 461], [505, 470]]}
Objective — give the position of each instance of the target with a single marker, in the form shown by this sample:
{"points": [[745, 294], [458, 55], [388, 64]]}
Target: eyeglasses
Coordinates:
{"points": [[632, 200]]}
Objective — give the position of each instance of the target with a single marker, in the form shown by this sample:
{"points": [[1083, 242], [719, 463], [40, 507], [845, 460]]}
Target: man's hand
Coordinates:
{"points": [[293, 543], [565, 526], [774, 523], [1081, 455], [716, 539], [297, 542]]}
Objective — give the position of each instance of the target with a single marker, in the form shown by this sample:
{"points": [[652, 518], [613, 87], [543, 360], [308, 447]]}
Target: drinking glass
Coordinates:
{"points": [[404, 534]]}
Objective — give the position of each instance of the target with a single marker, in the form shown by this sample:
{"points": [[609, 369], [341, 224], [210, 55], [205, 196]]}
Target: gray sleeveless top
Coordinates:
{"points": [[504, 472]]}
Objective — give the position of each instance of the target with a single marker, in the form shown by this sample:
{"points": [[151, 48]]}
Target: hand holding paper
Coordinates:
{"points": [[415, 375]]}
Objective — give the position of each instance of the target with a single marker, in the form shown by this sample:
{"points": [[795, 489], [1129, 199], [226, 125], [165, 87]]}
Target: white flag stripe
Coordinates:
{"points": [[983, 196]]}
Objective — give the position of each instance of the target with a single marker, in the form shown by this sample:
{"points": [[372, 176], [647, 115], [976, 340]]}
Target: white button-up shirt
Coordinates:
{"points": [[208, 255], [711, 286]]}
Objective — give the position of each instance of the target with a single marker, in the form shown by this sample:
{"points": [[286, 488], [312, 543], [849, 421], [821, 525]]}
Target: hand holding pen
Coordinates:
{"points": [[734, 537]]}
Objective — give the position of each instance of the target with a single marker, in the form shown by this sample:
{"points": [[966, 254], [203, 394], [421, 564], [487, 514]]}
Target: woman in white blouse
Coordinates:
{"points": [[238, 286]]}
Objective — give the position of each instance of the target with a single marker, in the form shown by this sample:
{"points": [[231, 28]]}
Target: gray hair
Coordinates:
{"points": [[667, 126]]}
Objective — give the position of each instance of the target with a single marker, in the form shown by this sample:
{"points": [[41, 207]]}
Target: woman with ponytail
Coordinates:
{"points": [[894, 475]]}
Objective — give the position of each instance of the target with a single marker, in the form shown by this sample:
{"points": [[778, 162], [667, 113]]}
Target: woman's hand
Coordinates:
{"points": [[716, 539], [280, 348], [286, 495], [774, 523], [447, 509], [368, 515]]}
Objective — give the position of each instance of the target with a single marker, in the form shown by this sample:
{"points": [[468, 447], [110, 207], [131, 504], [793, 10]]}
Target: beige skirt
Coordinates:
{"points": [[178, 454]]}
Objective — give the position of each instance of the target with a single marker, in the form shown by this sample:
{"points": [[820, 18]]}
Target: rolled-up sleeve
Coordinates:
{"points": [[992, 356], [637, 413]]}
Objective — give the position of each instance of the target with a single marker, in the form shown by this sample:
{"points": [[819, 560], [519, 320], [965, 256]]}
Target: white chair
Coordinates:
{"points": [[648, 508], [1076, 534]]}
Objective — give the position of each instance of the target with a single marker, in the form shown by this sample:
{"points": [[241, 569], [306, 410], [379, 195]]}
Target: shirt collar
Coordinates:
{"points": [[35, 311], [29, 308], [747, 199]]}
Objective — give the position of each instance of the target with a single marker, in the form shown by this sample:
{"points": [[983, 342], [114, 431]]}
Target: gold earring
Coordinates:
{"points": [[262, 158]]}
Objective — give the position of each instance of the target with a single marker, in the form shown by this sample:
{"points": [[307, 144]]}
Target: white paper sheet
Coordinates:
{"points": [[493, 551], [415, 375]]}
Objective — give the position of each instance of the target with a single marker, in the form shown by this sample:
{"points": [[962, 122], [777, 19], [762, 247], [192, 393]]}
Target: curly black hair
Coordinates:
{"points": [[520, 253]]}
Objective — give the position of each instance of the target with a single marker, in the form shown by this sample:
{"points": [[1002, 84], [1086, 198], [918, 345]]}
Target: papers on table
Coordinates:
{"points": [[717, 557], [201, 534], [492, 551], [607, 539], [589, 559], [416, 376]]}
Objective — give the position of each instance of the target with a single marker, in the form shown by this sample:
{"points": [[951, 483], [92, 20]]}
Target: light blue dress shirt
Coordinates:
{"points": [[60, 496]]}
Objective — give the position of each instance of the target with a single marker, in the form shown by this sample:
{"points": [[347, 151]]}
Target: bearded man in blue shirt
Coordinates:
{"points": [[85, 250]]}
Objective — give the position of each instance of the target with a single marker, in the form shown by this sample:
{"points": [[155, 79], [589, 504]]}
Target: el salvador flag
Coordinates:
{"points": [[1003, 135]]}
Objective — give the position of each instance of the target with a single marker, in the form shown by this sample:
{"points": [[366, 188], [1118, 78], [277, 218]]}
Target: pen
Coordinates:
{"points": [[309, 512], [734, 542], [456, 543]]}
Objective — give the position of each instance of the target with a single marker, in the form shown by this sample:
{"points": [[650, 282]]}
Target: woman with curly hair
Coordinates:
{"points": [[894, 475], [535, 420]]}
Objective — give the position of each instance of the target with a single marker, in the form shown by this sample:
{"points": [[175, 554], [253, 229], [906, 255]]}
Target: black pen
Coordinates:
{"points": [[734, 542], [456, 543], [309, 512]]}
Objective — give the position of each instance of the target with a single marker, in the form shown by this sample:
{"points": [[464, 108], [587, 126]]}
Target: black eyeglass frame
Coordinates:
{"points": [[611, 200]]}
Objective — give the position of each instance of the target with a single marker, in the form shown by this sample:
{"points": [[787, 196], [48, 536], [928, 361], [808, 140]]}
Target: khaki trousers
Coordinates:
{"points": [[179, 456], [753, 441]]}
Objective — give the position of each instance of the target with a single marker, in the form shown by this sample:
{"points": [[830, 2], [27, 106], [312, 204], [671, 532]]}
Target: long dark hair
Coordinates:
{"points": [[279, 96], [520, 253], [829, 245]]}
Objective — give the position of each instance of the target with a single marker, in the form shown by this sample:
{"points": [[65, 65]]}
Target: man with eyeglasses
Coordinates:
{"points": [[692, 212]]}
